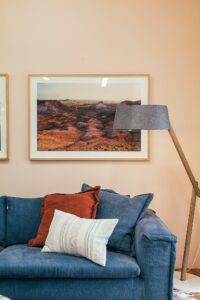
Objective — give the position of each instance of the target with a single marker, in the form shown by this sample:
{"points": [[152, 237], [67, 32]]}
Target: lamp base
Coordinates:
{"points": [[186, 289]]}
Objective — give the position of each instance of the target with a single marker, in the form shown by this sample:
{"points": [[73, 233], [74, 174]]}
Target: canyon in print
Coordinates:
{"points": [[77, 125]]}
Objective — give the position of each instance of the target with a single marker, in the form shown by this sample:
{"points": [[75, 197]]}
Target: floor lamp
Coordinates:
{"points": [[155, 117]]}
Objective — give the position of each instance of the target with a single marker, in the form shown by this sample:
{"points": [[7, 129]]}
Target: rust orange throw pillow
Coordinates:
{"points": [[83, 205]]}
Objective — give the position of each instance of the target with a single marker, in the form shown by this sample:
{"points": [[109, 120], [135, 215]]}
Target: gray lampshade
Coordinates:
{"points": [[150, 117]]}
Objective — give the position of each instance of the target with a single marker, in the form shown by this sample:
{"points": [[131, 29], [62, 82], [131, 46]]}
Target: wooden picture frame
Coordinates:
{"points": [[4, 117], [71, 116]]}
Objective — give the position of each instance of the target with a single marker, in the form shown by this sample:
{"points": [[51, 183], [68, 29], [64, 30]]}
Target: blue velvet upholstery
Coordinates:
{"points": [[73, 289], [127, 210], [155, 254], [23, 219], [21, 261], [1, 248], [2, 219]]}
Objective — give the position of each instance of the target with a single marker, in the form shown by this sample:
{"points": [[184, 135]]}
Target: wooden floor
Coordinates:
{"points": [[195, 272]]}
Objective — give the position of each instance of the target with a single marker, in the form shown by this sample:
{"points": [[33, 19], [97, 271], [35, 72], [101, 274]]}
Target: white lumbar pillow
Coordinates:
{"points": [[77, 236]]}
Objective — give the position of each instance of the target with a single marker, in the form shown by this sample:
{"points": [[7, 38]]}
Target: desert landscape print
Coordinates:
{"points": [[81, 125]]}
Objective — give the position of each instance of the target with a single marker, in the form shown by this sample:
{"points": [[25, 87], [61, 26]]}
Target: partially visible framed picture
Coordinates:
{"points": [[71, 117], [3, 116]]}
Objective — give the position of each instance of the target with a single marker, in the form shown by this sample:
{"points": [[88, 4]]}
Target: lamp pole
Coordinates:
{"points": [[195, 194], [155, 117]]}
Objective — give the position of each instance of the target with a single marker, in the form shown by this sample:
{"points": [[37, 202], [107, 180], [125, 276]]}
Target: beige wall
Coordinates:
{"points": [[158, 37]]}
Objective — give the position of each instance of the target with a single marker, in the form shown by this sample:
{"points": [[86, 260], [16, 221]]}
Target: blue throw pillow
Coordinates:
{"points": [[23, 219], [2, 219], [128, 210]]}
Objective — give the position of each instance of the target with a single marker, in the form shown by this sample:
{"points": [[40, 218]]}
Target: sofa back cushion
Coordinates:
{"points": [[2, 219], [128, 210], [23, 219]]}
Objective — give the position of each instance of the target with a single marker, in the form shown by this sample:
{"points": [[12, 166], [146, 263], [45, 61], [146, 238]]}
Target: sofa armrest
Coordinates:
{"points": [[155, 249]]}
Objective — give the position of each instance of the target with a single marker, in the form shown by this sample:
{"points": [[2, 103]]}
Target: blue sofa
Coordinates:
{"points": [[28, 274]]}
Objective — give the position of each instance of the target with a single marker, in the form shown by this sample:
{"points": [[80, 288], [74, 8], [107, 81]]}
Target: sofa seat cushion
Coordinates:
{"points": [[73, 289], [21, 261]]}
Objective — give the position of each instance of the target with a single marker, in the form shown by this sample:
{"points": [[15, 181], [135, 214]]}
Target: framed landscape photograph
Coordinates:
{"points": [[71, 117], [3, 116]]}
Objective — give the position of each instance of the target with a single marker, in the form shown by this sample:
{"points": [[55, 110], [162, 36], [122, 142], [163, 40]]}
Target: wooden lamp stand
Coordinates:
{"points": [[195, 194], [129, 116]]}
